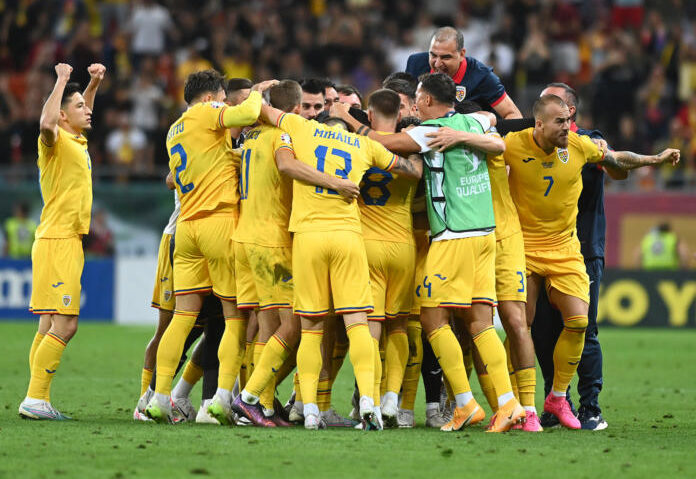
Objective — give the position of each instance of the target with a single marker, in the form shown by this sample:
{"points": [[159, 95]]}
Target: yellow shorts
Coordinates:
{"points": [[392, 268], [204, 257], [459, 272], [56, 269], [163, 292], [563, 268], [264, 276], [510, 269], [330, 266], [422, 246]]}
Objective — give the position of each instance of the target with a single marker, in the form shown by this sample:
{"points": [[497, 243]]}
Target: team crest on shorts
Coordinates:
{"points": [[67, 299], [461, 93], [563, 154], [167, 295]]}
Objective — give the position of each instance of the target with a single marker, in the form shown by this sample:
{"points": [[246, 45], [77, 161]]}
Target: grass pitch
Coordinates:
{"points": [[648, 402]]}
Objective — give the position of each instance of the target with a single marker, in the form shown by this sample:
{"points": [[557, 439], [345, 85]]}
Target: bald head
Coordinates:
{"points": [[446, 51], [446, 34], [551, 122]]}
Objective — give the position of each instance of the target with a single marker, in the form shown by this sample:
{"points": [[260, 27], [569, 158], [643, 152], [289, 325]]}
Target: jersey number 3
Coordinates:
{"points": [[320, 152], [179, 150]]}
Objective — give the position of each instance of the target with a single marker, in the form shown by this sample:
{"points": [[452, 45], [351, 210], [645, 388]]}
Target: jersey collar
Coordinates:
{"points": [[457, 78]]}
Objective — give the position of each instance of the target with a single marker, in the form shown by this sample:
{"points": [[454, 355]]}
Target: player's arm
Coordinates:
{"points": [[446, 137], [507, 109], [247, 112], [398, 142], [50, 114], [627, 160], [613, 172], [169, 181], [96, 75], [411, 167], [290, 166]]}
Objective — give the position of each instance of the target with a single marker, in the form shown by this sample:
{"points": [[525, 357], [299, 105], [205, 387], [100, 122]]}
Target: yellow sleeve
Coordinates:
{"points": [[496, 161], [381, 157], [246, 113], [293, 124], [282, 141], [592, 152], [45, 150]]}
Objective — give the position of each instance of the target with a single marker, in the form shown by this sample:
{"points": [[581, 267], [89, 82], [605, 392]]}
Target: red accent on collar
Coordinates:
{"points": [[460, 72], [573, 127], [457, 78]]}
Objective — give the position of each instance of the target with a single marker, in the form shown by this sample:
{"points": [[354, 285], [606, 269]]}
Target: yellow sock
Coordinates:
{"points": [[448, 388], [46, 361], [170, 349], [566, 355], [324, 394], [382, 365], [488, 391], [296, 387], [511, 369], [231, 352], [526, 381], [244, 368], [396, 359], [268, 393], [492, 354], [449, 353], [274, 355], [309, 364], [258, 351], [339, 355], [38, 337], [378, 373], [361, 350], [145, 378], [192, 372], [288, 365], [468, 355], [409, 385]]}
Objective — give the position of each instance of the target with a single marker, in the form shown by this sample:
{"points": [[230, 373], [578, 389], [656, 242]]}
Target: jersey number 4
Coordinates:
{"points": [[179, 150], [320, 152]]}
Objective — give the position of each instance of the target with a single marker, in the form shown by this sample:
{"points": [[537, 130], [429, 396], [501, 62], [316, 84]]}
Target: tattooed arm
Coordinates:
{"points": [[627, 160], [411, 167]]}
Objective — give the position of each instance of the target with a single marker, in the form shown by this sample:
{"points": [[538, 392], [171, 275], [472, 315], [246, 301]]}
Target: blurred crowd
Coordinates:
{"points": [[632, 61]]}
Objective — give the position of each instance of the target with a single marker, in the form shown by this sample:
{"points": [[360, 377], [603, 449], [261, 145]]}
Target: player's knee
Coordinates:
{"points": [[576, 322]]}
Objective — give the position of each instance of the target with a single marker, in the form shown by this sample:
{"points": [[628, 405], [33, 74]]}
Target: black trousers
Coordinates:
{"points": [[548, 325]]}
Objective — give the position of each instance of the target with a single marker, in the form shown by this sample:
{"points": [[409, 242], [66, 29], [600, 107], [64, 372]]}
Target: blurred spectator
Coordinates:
{"points": [[100, 240], [662, 250], [19, 233], [608, 50], [126, 148]]}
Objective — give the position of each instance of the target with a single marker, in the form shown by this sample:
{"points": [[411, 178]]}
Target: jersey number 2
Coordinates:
{"points": [[320, 153], [179, 150]]}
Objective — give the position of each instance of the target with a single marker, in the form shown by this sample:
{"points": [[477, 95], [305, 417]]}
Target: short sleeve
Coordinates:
{"points": [[483, 120], [211, 114], [293, 124], [282, 141], [418, 133], [492, 88], [46, 151], [591, 152], [381, 157]]}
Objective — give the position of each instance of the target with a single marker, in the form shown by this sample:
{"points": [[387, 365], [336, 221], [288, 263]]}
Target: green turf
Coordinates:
{"points": [[648, 402]]}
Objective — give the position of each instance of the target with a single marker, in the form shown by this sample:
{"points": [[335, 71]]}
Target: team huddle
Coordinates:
{"points": [[306, 229]]}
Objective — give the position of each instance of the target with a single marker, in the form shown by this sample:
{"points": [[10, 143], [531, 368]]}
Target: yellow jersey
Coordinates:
{"points": [[336, 152], [65, 179], [385, 205], [545, 187], [265, 194], [202, 162], [507, 222]]}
